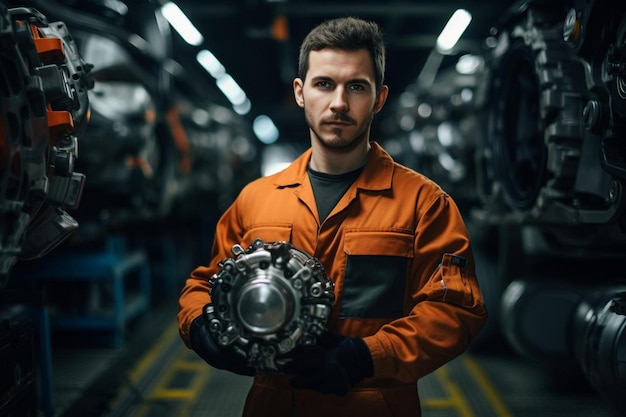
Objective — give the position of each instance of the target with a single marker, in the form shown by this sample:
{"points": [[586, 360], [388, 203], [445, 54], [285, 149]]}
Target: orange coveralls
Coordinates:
{"points": [[397, 249]]}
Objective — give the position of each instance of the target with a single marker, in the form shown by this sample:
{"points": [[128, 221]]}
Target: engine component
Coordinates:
{"points": [[599, 333], [269, 299], [535, 320], [44, 110], [555, 113], [517, 147]]}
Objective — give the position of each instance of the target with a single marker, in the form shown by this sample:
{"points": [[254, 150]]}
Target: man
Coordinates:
{"points": [[406, 296]]}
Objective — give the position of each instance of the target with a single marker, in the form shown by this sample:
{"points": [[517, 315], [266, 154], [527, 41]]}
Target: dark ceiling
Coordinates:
{"points": [[240, 35], [243, 35]]}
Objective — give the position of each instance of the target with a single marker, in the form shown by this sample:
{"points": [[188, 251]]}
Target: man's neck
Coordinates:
{"points": [[332, 161]]}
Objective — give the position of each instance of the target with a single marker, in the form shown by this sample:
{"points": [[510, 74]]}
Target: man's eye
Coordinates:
{"points": [[356, 87], [323, 84]]}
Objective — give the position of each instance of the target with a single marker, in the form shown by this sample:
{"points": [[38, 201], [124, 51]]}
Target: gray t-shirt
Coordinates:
{"points": [[329, 188]]}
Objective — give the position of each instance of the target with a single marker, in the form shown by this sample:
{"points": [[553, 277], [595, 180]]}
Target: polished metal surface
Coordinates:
{"points": [[263, 306], [268, 299]]}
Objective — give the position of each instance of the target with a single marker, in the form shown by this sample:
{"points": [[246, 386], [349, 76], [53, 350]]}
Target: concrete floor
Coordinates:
{"points": [[155, 375]]}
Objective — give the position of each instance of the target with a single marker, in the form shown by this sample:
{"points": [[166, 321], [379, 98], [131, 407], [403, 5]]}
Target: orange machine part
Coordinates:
{"points": [[59, 123], [50, 50], [180, 139]]}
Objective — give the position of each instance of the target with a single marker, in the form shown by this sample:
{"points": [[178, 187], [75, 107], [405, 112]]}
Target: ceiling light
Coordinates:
{"points": [[243, 108], [225, 82], [451, 33], [181, 24], [265, 129], [210, 63], [469, 64], [229, 87]]}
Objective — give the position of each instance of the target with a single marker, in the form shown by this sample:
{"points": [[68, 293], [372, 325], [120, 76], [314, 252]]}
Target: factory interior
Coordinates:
{"points": [[128, 127]]}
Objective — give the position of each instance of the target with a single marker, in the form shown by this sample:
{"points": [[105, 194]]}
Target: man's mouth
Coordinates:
{"points": [[340, 122]]}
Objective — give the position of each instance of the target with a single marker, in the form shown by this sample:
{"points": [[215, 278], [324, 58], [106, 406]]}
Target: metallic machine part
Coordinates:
{"points": [[599, 332], [267, 300], [45, 109]]}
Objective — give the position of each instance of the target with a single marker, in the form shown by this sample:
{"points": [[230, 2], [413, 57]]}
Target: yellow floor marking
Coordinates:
{"points": [[490, 392], [183, 398], [146, 362], [438, 403], [153, 354], [457, 399], [163, 392]]}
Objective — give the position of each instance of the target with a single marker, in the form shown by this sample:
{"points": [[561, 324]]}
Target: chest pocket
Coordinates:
{"points": [[375, 274]]}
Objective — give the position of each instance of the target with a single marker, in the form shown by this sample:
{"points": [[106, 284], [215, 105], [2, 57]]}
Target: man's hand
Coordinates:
{"points": [[207, 348], [334, 368]]}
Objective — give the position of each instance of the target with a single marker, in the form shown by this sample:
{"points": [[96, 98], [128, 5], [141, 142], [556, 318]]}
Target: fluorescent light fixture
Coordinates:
{"points": [[210, 63], [469, 64], [225, 82], [229, 87], [265, 129], [451, 33], [181, 24], [243, 108]]}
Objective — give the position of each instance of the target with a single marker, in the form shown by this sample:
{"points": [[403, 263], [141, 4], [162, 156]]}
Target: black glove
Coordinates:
{"points": [[207, 348], [334, 368]]}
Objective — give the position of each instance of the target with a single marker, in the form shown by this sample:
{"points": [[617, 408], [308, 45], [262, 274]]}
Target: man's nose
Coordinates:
{"points": [[339, 103]]}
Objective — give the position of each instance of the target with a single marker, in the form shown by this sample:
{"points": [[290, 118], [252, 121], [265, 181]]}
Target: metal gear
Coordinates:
{"points": [[267, 300]]}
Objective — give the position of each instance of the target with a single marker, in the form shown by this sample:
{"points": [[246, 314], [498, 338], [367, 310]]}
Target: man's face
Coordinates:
{"points": [[339, 97]]}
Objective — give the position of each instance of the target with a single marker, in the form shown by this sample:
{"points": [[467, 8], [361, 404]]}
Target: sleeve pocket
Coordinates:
{"points": [[452, 286]]}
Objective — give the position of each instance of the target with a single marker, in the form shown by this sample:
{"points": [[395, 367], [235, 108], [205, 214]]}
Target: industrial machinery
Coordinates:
{"points": [[543, 194], [269, 299], [44, 109], [556, 146]]}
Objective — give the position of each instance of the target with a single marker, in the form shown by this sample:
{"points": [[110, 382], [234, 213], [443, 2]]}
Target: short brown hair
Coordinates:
{"points": [[345, 33]]}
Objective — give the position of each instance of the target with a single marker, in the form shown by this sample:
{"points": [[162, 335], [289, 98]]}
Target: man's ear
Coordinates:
{"points": [[381, 97], [298, 84]]}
